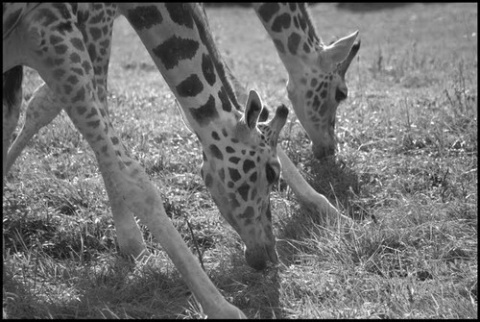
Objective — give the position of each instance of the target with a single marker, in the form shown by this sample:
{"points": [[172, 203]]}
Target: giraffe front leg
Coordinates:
{"points": [[304, 192], [130, 189]]}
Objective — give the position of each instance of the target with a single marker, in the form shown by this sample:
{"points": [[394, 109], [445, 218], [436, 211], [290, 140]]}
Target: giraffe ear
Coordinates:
{"points": [[277, 123], [252, 110], [338, 51], [263, 115], [346, 63]]}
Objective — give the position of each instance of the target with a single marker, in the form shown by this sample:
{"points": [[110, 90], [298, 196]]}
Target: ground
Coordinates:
{"points": [[406, 171]]}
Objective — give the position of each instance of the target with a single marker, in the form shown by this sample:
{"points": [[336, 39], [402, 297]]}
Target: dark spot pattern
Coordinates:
{"points": [[61, 49], [322, 84], [175, 49], [54, 40], [233, 200], [208, 69], [67, 89], [316, 103], [215, 136], [144, 17], [268, 10], [205, 113], [77, 71], [190, 87], [179, 15], [216, 152], [303, 24], [96, 33], [74, 57], [80, 97], [234, 174], [72, 79], [249, 213], [94, 124], [77, 43], [87, 67], [226, 104], [234, 160], [248, 165], [281, 22], [93, 113], [81, 110], [306, 48], [92, 52], [243, 191], [293, 42]]}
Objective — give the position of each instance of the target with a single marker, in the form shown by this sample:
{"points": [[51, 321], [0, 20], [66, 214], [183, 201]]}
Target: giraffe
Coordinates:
{"points": [[316, 83], [272, 16], [239, 163]]}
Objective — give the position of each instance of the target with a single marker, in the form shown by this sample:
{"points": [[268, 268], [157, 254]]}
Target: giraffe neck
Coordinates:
{"points": [[183, 54], [292, 32]]}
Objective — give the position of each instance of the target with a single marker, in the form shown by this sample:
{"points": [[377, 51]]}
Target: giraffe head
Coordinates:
{"points": [[239, 169], [317, 86]]}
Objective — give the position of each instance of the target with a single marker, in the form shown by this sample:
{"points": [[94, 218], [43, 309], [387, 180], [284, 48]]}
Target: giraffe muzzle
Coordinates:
{"points": [[258, 258], [323, 152]]}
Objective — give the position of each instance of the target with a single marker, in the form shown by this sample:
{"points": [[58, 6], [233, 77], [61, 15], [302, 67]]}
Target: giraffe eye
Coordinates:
{"points": [[340, 95], [271, 174]]}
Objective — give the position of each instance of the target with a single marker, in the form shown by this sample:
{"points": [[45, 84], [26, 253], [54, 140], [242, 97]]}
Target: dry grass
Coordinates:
{"points": [[406, 171]]}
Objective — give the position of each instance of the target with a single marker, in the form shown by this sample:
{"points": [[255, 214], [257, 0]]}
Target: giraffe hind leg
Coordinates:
{"points": [[12, 100], [42, 108]]}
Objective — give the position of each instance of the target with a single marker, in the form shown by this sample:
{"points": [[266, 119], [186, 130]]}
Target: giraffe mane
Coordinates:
{"points": [[311, 26], [199, 16]]}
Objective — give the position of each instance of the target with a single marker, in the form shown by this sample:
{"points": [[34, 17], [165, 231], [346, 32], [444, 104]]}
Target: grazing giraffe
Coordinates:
{"points": [[307, 100], [316, 72], [239, 162]]}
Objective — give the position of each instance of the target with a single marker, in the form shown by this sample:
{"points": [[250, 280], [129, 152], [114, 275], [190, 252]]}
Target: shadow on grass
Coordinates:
{"points": [[259, 296], [116, 291], [341, 186]]}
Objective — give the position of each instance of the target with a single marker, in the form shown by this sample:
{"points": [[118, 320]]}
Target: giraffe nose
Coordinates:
{"points": [[323, 152], [254, 261], [257, 258]]}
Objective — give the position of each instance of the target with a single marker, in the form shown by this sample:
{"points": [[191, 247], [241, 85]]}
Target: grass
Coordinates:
{"points": [[406, 170]]}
